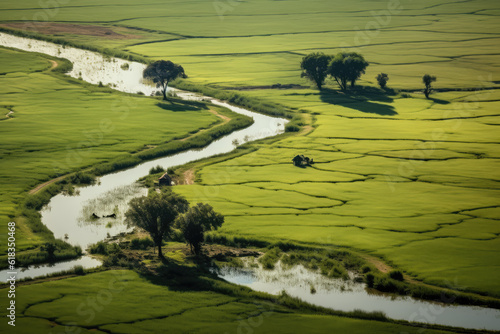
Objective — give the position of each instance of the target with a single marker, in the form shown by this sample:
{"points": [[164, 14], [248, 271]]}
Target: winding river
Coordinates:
{"points": [[68, 217]]}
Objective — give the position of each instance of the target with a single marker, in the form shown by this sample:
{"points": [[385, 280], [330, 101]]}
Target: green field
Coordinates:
{"points": [[58, 125], [412, 181], [103, 307]]}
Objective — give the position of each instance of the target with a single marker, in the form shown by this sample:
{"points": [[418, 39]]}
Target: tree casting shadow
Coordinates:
{"points": [[176, 105], [360, 99]]}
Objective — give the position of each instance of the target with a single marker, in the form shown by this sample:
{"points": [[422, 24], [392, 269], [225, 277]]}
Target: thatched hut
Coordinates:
{"points": [[165, 180]]}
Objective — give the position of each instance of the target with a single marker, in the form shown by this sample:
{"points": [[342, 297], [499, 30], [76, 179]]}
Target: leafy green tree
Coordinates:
{"points": [[314, 67], [199, 219], [347, 67], [161, 72], [382, 79], [428, 80], [50, 248], [156, 213]]}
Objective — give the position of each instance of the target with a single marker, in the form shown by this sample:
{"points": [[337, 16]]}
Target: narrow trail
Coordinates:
{"points": [[224, 118], [189, 176], [43, 185], [54, 64]]}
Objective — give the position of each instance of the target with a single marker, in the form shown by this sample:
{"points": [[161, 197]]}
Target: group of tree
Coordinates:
{"points": [[159, 213], [345, 67]]}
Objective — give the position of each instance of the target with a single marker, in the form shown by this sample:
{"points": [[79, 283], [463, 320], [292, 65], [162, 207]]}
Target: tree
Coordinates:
{"points": [[50, 248], [382, 79], [161, 72], [428, 80], [314, 67], [347, 67], [199, 219], [156, 214]]}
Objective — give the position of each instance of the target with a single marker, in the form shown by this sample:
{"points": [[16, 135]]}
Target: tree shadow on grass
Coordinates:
{"points": [[439, 101], [179, 277], [361, 99], [177, 105]]}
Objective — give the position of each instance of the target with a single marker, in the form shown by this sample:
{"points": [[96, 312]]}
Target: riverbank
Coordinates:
{"points": [[87, 143]]}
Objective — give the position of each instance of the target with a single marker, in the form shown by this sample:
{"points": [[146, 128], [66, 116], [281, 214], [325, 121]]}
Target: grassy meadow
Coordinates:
{"points": [[412, 181], [54, 125], [121, 301]]}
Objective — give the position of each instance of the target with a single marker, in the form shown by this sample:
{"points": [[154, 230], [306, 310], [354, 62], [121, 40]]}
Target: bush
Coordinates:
{"points": [[143, 243], [382, 79], [176, 235], [79, 270], [156, 170], [386, 284], [397, 275], [99, 248], [370, 280], [82, 178], [270, 258], [290, 127]]}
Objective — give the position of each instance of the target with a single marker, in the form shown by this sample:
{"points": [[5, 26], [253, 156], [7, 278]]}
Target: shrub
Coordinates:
{"points": [[79, 270], [270, 258], [386, 284], [382, 79], [143, 243], [397, 275], [156, 170], [99, 248], [366, 269], [370, 280], [290, 127], [82, 178]]}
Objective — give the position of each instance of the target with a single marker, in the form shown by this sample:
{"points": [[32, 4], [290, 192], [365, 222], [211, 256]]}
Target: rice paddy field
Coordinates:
{"points": [[412, 181], [61, 307], [53, 125]]}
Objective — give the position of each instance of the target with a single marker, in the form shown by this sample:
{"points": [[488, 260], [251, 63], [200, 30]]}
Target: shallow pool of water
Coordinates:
{"points": [[39, 270], [347, 295]]}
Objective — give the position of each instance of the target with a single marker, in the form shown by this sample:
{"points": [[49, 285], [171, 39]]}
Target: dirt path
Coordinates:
{"points": [[40, 186], [189, 176], [224, 118], [54, 64], [378, 263]]}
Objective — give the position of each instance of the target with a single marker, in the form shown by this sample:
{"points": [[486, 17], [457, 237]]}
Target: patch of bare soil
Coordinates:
{"points": [[54, 64], [189, 176], [68, 28]]}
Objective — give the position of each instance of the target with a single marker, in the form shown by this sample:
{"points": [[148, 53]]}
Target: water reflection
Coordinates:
{"points": [[347, 295], [39, 270]]}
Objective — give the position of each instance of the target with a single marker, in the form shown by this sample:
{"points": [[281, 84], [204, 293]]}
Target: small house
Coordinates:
{"points": [[165, 180]]}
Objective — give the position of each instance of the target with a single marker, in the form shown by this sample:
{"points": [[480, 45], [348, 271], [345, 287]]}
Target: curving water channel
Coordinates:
{"points": [[348, 295], [68, 217]]}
